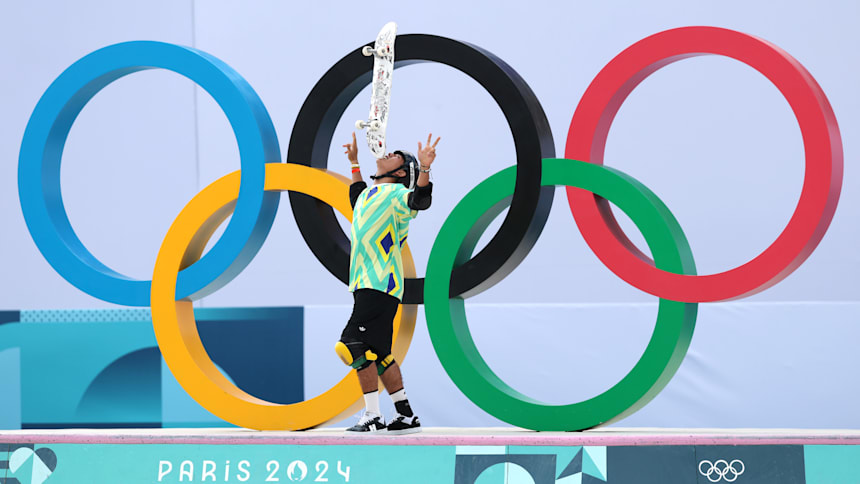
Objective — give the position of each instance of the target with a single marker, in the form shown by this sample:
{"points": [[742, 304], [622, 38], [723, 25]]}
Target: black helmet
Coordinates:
{"points": [[410, 164]]}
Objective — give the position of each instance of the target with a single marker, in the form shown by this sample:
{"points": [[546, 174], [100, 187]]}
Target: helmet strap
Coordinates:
{"points": [[390, 174]]}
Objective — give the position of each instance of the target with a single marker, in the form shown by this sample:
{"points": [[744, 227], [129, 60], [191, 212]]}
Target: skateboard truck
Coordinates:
{"points": [[368, 51], [373, 124]]}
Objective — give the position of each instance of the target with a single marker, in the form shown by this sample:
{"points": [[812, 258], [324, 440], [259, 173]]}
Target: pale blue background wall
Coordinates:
{"points": [[710, 136]]}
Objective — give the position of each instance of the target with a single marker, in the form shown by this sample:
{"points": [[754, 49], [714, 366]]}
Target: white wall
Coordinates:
{"points": [[710, 136]]}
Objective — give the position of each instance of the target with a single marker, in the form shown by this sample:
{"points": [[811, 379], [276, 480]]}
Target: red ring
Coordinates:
{"points": [[586, 140]]}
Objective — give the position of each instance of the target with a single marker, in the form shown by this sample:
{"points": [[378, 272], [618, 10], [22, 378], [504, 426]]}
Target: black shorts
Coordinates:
{"points": [[372, 321]]}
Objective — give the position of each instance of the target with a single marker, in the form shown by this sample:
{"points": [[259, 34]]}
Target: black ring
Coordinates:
{"points": [[312, 135]]}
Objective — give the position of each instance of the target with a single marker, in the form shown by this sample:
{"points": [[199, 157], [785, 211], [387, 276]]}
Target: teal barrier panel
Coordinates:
{"points": [[10, 387], [832, 464], [431, 464], [102, 368]]}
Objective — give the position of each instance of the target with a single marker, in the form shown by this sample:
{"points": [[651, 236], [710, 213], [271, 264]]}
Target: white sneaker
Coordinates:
{"points": [[369, 423], [402, 424]]}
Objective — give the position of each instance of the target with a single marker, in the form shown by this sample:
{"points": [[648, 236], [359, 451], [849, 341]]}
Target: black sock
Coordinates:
{"points": [[403, 408]]}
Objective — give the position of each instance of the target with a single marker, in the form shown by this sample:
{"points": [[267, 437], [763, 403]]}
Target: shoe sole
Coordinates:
{"points": [[368, 432], [404, 431]]}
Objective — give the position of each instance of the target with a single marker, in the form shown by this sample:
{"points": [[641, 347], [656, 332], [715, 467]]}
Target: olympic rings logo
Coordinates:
{"points": [[182, 275], [720, 469]]}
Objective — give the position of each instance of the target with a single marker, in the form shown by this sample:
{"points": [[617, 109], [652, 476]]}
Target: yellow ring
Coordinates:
{"points": [[176, 329]]}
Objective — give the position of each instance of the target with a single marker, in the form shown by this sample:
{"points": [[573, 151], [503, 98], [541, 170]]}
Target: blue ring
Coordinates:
{"points": [[42, 149]]}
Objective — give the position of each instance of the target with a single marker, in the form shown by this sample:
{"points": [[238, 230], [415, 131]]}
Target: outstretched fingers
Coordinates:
{"points": [[351, 148]]}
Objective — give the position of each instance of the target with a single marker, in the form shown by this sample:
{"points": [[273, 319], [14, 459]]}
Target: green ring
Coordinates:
{"points": [[449, 329]]}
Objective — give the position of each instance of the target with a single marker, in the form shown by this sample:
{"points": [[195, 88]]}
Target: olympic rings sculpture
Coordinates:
{"points": [[181, 275]]}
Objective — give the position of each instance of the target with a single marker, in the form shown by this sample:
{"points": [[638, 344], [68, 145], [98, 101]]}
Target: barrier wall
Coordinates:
{"points": [[437, 458], [102, 368]]}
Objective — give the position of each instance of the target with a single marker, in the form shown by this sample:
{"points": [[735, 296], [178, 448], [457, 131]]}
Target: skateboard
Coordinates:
{"points": [[380, 97]]}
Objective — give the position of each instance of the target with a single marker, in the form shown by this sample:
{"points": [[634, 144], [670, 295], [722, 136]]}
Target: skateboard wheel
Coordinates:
{"points": [[375, 125], [367, 51], [360, 124]]}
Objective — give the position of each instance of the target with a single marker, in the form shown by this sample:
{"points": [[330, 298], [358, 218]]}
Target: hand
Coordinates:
{"points": [[427, 154], [352, 150]]}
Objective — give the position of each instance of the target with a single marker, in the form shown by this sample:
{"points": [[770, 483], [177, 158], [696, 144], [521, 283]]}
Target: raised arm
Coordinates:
{"points": [[352, 154], [426, 157], [422, 196], [358, 184]]}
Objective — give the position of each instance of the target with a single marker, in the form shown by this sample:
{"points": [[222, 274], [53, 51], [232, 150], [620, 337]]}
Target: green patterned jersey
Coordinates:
{"points": [[380, 224]]}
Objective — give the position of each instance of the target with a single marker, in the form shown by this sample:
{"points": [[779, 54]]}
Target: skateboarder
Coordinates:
{"points": [[380, 223]]}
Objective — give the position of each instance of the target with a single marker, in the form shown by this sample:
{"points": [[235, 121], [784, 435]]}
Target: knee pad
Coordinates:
{"points": [[352, 355], [383, 364]]}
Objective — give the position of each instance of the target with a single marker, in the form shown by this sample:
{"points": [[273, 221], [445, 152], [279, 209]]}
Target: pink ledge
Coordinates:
{"points": [[440, 436]]}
